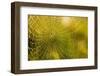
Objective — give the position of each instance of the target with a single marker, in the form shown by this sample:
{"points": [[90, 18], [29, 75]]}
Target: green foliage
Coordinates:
{"points": [[56, 37]]}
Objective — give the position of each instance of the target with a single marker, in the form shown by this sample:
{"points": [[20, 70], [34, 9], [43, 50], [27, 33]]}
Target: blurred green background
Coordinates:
{"points": [[57, 37]]}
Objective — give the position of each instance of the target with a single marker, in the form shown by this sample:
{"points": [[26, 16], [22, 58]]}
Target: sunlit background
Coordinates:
{"points": [[57, 37]]}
